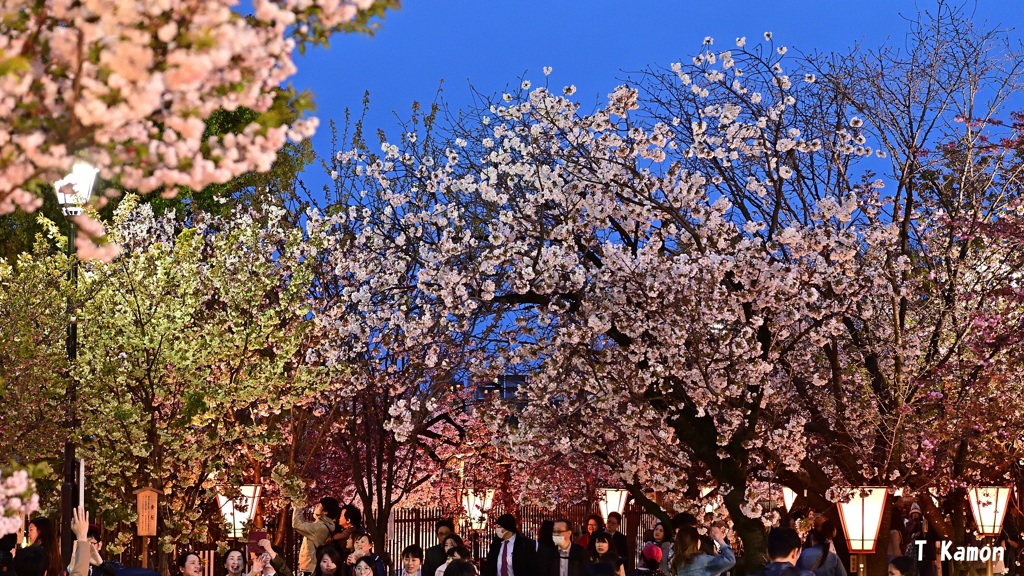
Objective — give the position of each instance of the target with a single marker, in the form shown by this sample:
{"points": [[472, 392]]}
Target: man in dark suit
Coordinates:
{"points": [[511, 553], [566, 558], [435, 556], [619, 541]]}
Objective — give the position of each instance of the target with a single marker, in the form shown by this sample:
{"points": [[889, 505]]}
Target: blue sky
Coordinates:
{"points": [[492, 44]]}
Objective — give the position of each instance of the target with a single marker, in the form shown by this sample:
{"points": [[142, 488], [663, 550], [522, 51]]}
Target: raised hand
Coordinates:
{"points": [[80, 523]]}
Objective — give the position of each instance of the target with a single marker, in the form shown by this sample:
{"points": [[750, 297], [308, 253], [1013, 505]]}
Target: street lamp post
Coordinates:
{"points": [[73, 193], [988, 505], [862, 518]]}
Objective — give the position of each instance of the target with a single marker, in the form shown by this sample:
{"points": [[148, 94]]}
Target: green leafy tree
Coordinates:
{"points": [[187, 339]]}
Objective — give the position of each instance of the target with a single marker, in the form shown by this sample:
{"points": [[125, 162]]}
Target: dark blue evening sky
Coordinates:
{"points": [[492, 44]]}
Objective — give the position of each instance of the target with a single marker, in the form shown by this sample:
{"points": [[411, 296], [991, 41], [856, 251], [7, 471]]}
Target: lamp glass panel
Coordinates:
{"points": [[476, 503], [612, 500], [988, 505], [788, 497], [238, 512], [80, 182], [862, 518]]}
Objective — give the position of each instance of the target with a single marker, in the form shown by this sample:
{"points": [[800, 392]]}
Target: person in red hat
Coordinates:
{"points": [[650, 560]]}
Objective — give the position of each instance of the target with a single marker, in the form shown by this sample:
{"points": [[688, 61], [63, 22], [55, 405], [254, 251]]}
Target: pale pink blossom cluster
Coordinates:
{"points": [[698, 251], [662, 289], [130, 86], [17, 498]]}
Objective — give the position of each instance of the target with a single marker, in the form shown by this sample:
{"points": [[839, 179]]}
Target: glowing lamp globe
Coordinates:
{"points": [[612, 500], [788, 497], [74, 190]]}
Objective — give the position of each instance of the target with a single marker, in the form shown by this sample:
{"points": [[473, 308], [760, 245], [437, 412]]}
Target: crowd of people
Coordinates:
{"points": [[334, 543]]}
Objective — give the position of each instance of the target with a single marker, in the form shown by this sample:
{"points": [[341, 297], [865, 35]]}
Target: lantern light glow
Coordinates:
{"points": [[477, 504], [612, 500], [862, 518], [988, 505], [80, 181], [788, 497], [240, 511]]}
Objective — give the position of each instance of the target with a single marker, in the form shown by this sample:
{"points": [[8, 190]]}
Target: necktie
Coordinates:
{"points": [[504, 563]]}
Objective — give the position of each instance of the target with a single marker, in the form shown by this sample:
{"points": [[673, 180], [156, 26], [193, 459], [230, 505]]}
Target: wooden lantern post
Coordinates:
{"points": [[147, 500]]}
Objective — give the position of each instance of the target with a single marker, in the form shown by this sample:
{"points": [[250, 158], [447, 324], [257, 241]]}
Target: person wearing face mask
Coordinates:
{"points": [[511, 553], [566, 558]]}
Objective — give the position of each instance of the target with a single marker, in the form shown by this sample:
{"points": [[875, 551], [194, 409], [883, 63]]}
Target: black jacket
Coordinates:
{"points": [[432, 559], [621, 545], [549, 560], [524, 557]]}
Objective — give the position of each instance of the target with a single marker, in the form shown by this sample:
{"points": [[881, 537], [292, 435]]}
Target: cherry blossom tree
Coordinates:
{"points": [[711, 259], [132, 88], [191, 331], [926, 345], [394, 354], [17, 499]]}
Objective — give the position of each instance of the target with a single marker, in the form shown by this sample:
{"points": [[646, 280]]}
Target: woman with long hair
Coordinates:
{"points": [[690, 560], [452, 541], [42, 534], [329, 562], [818, 557], [604, 552], [661, 536]]}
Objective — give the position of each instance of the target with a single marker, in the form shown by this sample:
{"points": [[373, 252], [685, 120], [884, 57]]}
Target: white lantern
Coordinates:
{"points": [[788, 497], [988, 505], [862, 518], [612, 500], [239, 511], [477, 504], [74, 190]]}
